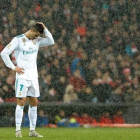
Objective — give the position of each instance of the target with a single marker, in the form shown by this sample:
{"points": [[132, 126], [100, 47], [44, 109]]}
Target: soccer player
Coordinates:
{"points": [[25, 47]]}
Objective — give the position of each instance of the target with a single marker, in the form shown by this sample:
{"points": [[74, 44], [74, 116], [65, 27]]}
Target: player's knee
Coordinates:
{"points": [[33, 101], [21, 101]]}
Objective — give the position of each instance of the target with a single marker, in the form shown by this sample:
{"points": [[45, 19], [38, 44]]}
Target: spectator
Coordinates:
{"points": [[96, 88], [68, 70], [56, 71], [61, 119], [75, 115], [118, 117], [77, 81], [129, 95], [86, 95], [73, 120], [1, 45], [76, 65], [70, 95], [84, 119], [8, 119], [52, 95], [72, 52], [42, 119], [136, 88], [45, 86], [104, 90], [25, 122], [105, 118], [117, 96], [82, 29], [8, 88], [60, 88]]}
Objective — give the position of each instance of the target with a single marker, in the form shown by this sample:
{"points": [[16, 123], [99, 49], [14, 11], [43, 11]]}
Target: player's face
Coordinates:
{"points": [[34, 35]]}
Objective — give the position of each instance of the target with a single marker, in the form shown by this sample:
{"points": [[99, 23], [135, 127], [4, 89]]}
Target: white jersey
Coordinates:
{"points": [[26, 54]]}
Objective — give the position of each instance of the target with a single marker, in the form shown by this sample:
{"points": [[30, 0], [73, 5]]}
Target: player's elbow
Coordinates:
{"points": [[2, 54], [52, 42]]}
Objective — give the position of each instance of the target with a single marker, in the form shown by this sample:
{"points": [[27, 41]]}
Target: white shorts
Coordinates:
{"points": [[24, 88]]}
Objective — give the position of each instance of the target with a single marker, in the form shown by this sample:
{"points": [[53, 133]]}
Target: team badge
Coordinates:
{"points": [[20, 93], [34, 42], [8, 46], [23, 40]]}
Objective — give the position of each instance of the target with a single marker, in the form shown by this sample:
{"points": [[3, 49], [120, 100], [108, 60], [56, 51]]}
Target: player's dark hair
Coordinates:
{"points": [[39, 28]]}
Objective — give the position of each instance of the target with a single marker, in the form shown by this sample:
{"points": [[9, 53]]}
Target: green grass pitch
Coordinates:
{"points": [[7, 133]]}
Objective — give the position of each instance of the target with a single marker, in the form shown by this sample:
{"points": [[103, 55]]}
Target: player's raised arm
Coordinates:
{"points": [[13, 45], [48, 40]]}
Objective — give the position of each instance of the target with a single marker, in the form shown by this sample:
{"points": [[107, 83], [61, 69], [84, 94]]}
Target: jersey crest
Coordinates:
{"points": [[23, 40]]}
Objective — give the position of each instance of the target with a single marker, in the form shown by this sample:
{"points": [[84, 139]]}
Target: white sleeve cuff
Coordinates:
{"points": [[13, 67]]}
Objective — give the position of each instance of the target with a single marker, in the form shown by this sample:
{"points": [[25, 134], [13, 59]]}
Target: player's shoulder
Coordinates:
{"points": [[39, 38], [19, 36]]}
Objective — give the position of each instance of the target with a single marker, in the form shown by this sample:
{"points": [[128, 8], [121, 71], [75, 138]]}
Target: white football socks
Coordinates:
{"points": [[18, 116], [32, 113]]}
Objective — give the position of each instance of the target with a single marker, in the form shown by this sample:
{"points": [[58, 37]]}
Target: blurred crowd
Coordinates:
{"points": [[96, 56], [64, 119]]}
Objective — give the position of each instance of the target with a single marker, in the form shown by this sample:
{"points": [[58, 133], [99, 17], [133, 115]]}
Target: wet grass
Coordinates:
{"points": [[7, 133]]}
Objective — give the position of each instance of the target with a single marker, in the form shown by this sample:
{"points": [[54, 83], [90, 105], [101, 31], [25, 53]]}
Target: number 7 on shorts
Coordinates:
{"points": [[21, 87]]}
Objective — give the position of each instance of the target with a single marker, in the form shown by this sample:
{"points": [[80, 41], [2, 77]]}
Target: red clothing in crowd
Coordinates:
{"points": [[78, 119], [1, 47], [72, 53], [105, 120], [94, 121], [118, 119], [82, 30], [78, 83], [85, 120], [38, 7]]}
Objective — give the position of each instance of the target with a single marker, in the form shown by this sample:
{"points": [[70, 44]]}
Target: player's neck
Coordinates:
{"points": [[27, 34]]}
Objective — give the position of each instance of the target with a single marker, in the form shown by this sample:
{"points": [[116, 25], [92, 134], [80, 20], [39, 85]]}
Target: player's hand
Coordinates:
{"points": [[42, 24], [19, 70]]}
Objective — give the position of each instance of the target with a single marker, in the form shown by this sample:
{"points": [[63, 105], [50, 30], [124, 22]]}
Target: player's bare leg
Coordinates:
{"points": [[32, 113]]}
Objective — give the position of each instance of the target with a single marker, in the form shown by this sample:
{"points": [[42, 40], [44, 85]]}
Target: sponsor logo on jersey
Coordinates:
{"points": [[29, 52], [30, 49], [8, 46]]}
